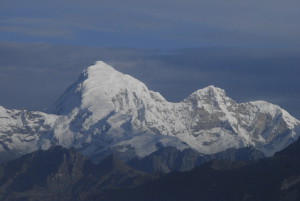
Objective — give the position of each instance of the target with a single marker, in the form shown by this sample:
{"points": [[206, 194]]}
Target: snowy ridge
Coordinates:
{"points": [[107, 111], [22, 132]]}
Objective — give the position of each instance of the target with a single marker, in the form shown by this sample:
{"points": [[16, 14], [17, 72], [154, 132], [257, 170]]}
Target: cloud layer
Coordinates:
{"points": [[153, 24]]}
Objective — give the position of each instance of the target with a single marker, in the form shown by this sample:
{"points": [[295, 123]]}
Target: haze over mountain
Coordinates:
{"points": [[106, 111]]}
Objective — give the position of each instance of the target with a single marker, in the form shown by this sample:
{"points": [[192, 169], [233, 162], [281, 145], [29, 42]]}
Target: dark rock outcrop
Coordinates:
{"points": [[169, 159], [63, 174]]}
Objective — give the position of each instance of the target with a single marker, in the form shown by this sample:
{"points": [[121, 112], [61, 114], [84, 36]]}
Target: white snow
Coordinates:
{"points": [[108, 110]]}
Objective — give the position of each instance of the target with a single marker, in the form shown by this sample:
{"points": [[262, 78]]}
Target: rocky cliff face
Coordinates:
{"points": [[168, 159], [106, 111]]}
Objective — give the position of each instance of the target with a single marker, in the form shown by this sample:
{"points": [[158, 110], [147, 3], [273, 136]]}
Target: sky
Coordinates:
{"points": [[249, 48]]}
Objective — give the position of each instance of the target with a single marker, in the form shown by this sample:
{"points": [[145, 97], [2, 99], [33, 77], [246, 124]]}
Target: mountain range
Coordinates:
{"points": [[106, 111], [66, 175], [108, 137]]}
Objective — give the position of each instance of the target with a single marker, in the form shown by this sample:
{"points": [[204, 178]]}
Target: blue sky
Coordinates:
{"points": [[249, 48]]}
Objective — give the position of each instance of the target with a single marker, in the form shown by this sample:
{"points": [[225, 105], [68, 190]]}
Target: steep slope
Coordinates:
{"points": [[276, 178], [167, 159], [218, 122], [106, 111], [115, 113]]}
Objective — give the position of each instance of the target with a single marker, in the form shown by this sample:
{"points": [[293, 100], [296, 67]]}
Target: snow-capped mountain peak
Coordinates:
{"points": [[212, 90], [95, 89], [103, 84], [107, 111]]}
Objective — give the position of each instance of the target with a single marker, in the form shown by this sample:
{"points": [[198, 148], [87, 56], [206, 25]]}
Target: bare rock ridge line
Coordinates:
{"points": [[106, 111]]}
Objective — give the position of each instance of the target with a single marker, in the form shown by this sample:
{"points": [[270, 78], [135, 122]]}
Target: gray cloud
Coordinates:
{"points": [[145, 24]]}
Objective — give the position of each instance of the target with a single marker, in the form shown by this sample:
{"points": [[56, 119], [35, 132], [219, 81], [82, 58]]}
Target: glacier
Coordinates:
{"points": [[106, 111]]}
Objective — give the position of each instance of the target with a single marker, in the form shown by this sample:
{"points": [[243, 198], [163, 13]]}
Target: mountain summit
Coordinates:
{"points": [[106, 111], [95, 89]]}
